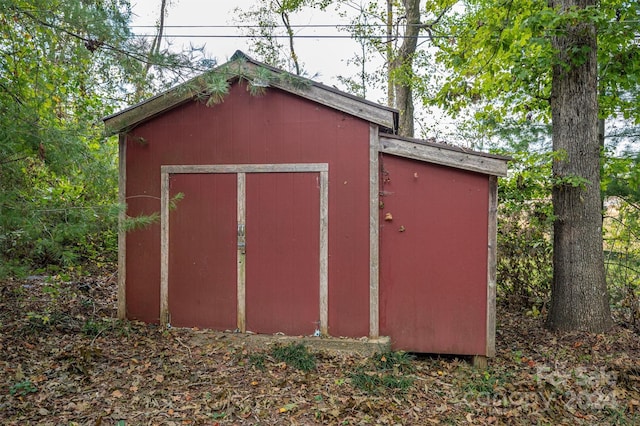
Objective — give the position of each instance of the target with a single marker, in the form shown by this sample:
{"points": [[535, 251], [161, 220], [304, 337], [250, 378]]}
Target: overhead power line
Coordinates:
{"points": [[324, 36], [338, 26]]}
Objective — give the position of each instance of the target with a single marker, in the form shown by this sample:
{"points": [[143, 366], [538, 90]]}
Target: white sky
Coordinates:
{"points": [[323, 56], [326, 57]]}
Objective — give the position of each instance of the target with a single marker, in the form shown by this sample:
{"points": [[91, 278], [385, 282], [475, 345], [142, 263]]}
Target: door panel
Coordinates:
{"points": [[282, 252], [202, 247]]}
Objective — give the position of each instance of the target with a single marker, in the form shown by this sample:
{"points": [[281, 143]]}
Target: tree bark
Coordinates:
{"points": [[284, 15], [154, 50], [391, 99], [579, 299], [402, 68]]}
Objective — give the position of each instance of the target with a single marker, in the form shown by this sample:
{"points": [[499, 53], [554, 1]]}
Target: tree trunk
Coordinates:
{"points": [[154, 50], [402, 68], [391, 99], [579, 299]]}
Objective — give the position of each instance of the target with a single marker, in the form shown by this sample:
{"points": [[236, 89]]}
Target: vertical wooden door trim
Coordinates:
{"points": [[241, 256], [374, 224], [242, 169], [122, 235], [324, 253], [164, 248], [491, 266]]}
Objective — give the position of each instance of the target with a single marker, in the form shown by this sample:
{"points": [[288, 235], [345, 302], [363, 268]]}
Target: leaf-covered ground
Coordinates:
{"points": [[65, 360]]}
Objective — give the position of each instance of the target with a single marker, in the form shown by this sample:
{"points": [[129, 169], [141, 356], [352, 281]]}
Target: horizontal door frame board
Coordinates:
{"points": [[443, 156], [248, 168], [241, 170]]}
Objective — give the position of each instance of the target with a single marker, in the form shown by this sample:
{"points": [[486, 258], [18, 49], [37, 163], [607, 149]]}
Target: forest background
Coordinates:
{"points": [[485, 66]]}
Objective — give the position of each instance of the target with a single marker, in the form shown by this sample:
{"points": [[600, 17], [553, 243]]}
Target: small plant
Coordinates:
{"points": [[42, 321], [400, 361], [22, 388], [94, 328], [296, 355], [483, 385], [378, 383], [486, 383], [257, 361], [384, 372]]}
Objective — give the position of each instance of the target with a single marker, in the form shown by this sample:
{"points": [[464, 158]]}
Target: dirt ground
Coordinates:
{"points": [[66, 360]]}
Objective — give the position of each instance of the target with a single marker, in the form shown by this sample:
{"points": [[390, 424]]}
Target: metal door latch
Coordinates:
{"points": [[241, 239]]}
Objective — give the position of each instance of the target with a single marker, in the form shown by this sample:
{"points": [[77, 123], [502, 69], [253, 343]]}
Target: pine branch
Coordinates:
{"points": [[93, 44]]}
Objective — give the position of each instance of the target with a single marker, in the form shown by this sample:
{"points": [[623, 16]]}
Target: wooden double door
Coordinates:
{"points": [[245, 247]]}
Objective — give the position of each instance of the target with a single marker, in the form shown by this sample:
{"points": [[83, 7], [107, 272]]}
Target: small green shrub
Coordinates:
{"points": [[525, 225], [384, 373], [393, 361], [486, 383], [296, 355], [94, 328], [378, 383], [257, 361], [44, 321], [22, 388]]}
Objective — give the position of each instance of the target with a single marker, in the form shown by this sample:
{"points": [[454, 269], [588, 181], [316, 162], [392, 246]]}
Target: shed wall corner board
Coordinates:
{"points": [[284, 226]]}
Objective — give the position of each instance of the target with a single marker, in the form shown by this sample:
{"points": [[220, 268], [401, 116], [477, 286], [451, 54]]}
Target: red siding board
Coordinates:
{"points": [[143, 296], [433, 257], [202, 251], [143, 252]]}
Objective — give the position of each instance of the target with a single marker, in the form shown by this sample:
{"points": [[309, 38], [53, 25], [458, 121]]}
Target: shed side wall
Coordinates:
{"points": [[433, 257]]}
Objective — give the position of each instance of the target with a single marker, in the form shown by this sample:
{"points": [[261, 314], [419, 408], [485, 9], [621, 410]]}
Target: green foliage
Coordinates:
{"points": [[525, 224], [384, 373], [296, 355], [271, 21], [95, 327], [500, 57], [47, 219], [393, 361], [23, 388], [130, 223], [64, 64], [486, 383], [57, 178], [622, 258], [621, 189], [621, 176], [258, 361]]}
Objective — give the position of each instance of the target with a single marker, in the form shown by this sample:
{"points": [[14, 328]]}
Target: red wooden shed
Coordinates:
{"points": [[303, 213]]}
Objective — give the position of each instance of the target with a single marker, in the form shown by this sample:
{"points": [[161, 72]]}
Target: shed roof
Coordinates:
{"points": [[444, 154], [259, 75]]}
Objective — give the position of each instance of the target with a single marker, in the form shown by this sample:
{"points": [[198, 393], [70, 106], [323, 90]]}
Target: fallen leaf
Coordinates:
{"points": [[116, 394], [288, 407]]}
